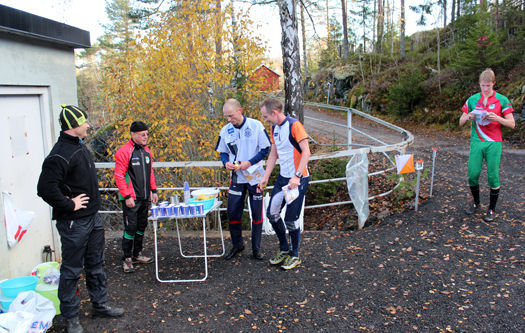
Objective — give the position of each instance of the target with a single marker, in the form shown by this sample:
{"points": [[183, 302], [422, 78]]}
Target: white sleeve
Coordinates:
{"points": [[264, 140], [222, 147]]}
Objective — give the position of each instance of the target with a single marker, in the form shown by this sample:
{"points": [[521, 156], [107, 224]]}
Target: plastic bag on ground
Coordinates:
{"points": [[16, 322], [36, 304], [16, 220], [357, 183]]}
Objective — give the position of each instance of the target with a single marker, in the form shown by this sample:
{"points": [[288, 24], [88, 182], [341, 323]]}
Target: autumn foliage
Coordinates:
{"points": [[173, 78]]}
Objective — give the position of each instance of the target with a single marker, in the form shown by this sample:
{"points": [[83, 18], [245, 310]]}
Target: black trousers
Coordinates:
{"points": [[135, 223], [82, 247]]}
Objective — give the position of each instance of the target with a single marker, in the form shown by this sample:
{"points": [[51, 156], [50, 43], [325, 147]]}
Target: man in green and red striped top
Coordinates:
{"points": [[490, 111]]}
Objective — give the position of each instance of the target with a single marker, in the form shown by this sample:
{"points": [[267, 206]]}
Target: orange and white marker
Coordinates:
{"points": [[405, 164]]}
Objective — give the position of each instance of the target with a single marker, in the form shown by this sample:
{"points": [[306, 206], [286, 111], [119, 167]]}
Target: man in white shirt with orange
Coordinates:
{"points": [[290, 146]]}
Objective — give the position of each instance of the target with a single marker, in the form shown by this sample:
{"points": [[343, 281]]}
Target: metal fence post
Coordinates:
{"points": [[434, 151], [328, 96], [419, 167], [349, 124]]}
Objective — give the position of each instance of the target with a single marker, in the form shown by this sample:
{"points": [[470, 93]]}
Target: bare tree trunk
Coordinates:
{"points": [[364, 32], [218, 40], [438, 59], [453, 11], [380, 25], [391, 28], [496, 3], [444, 13], [374, 14], [291, 60], [346, 51], [327, 23], [218, 57], [458, 12], [303, 31], [402, 37]]}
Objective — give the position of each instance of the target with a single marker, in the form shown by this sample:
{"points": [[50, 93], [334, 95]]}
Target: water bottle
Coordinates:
{"points": [[186, 192]]}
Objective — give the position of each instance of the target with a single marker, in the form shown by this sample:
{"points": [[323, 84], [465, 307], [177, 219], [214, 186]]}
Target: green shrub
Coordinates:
{"points": [[405, 95], [325, 169], [406, 188]]}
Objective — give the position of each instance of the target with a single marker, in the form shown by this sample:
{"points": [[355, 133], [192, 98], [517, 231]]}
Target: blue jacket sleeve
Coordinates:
{"points": [[225, 158], [260, 155]]}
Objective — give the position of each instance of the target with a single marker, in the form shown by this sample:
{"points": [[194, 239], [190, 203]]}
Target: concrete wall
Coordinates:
{"points": [[30, 62], [32, 67]]}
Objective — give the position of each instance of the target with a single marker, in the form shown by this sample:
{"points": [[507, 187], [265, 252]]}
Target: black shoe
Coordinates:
{"points": [[472, 209], [233, 252], [258, 255], [489, 217], [104, 310], [73, 325]]}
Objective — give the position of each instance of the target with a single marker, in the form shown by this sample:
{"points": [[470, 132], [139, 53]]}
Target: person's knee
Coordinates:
{"points": [[272, 216], [493, 182], [292, 226]]}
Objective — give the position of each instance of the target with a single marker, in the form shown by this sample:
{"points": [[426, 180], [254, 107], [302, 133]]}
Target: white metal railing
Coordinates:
{"points": [[407, 139]]}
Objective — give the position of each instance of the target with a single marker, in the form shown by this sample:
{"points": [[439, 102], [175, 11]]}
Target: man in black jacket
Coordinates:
{"points": [[68, 183]]}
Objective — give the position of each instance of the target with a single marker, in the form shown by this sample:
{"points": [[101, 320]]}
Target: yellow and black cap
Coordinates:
{"points": [[71, 117]]}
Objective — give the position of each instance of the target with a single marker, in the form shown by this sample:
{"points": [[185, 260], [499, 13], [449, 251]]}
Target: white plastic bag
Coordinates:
{"points": [[16, 322], [41, 307], [16, 220], [357, 183]]}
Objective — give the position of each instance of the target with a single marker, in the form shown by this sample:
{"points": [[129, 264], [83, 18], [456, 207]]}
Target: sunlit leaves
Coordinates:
{"points": [[172, 79]]}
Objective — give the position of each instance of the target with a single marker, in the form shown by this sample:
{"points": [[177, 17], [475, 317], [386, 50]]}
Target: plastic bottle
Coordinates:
{"points": [[186, 192]]}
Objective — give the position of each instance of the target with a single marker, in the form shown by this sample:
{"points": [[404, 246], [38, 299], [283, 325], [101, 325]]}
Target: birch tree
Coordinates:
{"points": [[291, 60], [303, 32]]}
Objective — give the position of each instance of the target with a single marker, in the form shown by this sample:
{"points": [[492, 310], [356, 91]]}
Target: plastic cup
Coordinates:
{"points": [[193, 209], [171, 210], [200, 209], [176, 210], [154, 211], [185, 209]]}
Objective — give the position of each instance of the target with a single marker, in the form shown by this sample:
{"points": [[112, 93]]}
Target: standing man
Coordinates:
{"points": [[68, 183], [243, 143], [290, 145], [490, 110], [135, 181]]}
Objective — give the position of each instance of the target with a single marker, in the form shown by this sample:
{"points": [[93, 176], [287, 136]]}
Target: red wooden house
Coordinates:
{"points": [[266, 77]]}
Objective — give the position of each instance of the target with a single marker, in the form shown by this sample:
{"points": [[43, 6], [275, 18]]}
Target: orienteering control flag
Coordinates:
{"points": [[405, 164]]}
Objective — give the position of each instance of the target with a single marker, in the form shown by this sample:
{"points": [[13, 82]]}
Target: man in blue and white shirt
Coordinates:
{"points": [[243, 144]]}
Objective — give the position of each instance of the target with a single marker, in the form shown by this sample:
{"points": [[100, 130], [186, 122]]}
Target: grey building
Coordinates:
{"points": [[37, 75]]}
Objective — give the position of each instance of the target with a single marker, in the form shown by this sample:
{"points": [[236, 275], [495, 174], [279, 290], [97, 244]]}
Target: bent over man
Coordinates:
{"points": [[490, 111], [290, 145], [68, 183], [243, 143], [135, 181]]}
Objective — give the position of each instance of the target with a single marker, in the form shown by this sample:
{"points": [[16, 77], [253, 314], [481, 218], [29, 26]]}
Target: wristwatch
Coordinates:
{"points": [[298, 174]]}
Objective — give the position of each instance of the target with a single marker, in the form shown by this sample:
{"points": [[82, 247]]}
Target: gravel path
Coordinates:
{"points": [[434, 270]]}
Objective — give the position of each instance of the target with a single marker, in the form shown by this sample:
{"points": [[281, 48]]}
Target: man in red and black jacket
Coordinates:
{"points": [[135, 181]]}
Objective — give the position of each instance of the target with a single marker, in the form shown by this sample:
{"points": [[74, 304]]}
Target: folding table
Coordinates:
{"points": [[155, 220]]}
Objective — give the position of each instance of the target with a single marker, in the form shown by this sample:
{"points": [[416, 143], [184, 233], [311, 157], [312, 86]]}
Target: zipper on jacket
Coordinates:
{"points": [[144, 172]]}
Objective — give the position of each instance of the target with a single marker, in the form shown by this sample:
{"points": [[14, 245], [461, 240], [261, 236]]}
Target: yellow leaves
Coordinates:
{"points": [[303, 302]]}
